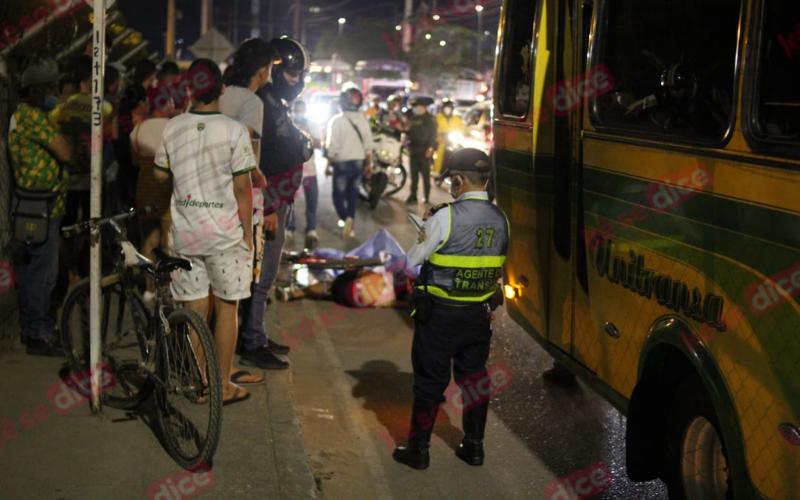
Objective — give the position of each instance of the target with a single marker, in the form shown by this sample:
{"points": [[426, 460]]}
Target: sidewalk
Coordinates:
{"points": [[75, 455]]}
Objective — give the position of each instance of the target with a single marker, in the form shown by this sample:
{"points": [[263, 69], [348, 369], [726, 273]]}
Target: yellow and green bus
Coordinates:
{"points": [[647, 154]]}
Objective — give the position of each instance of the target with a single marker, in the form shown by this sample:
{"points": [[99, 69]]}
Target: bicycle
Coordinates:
{"points": [[169, 352]]}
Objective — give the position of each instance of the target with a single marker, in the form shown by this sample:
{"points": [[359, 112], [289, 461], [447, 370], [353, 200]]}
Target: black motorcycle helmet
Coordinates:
{"points": [[351, 99], [448, 102], [679, 77], [294, 57]]}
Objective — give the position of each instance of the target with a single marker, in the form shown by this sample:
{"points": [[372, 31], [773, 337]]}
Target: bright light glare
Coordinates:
{"points": [[317, 113], [398, 27], [428, 36], [479, 8], [436, 17], [510, 291], [455, 137], [442, 43], [342, 20], [307, 79], [328, 69]]}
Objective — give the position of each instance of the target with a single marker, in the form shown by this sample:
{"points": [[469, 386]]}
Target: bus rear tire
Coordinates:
{"points": [[696, 457]]}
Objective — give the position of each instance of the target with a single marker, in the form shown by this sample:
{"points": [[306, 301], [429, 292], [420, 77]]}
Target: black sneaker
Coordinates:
{"points": [[50, 346], [411, 199], [278, 348], [262, 357]]}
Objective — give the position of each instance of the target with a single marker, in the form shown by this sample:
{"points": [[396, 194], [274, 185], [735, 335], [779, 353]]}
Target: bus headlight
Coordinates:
{"points": [[511, 292]]}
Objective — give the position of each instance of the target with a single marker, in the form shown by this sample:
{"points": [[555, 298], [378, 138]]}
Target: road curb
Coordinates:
{"points": [[293, 468]]}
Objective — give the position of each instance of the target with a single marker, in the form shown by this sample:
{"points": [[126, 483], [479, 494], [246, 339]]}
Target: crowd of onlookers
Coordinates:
{"points": [[223, 158]]}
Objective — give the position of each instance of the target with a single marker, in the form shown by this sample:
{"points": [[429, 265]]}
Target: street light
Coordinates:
{"points": [[479, 10], [436, 17], [398, 28], [341, 25], [442, 43]]}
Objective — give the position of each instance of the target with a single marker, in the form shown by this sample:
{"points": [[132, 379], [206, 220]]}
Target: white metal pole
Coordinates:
{"points": [[407, 13], [98, 72]]}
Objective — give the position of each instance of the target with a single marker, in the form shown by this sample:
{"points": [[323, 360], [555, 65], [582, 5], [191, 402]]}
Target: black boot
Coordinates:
{"points": [[423, 416], [474, 421]]}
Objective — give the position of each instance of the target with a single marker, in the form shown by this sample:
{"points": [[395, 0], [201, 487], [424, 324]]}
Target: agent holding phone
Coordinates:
{"points": [[462, 249]]}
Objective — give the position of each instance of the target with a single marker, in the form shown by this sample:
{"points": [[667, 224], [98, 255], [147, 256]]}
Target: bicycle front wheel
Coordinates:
{"points": [[122, 322], [189, 392]]}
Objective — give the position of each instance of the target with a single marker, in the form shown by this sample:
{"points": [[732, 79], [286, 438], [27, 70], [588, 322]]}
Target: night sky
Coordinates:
{"points": [[149, 17]]}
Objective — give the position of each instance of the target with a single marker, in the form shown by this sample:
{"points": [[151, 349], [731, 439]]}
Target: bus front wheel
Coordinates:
{"points": [[697, 461]]}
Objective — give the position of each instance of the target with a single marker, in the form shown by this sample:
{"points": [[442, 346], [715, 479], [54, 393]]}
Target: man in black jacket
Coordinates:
{"points": [[284, 149], [422, 142]]}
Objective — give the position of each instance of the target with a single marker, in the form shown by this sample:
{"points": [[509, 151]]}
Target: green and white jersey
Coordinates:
{"points": [[204, 152]]}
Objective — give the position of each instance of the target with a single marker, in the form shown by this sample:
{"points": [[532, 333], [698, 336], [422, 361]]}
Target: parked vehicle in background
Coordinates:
{"points": [[462, 106], [328, 75], [382, 77]]}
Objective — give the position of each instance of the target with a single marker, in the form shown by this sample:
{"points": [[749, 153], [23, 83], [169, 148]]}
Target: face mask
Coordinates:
{"points": [[299, 116], [50, 102], [455, 185], [448, 111], [416, 111]]}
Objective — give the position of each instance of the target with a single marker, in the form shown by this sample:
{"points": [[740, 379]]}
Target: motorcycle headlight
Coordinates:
{"points": [[455, 137]]}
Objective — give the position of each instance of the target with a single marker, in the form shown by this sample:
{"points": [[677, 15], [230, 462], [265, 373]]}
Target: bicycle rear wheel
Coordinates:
{"points": [[189, 392], [120, 342]]}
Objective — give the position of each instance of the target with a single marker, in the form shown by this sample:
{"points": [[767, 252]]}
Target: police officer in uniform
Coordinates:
{"points": [[462, 248], [422, 142]]}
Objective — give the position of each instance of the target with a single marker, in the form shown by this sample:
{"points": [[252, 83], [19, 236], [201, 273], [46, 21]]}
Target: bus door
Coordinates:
{"points": [[523, 157], [561, 299]]}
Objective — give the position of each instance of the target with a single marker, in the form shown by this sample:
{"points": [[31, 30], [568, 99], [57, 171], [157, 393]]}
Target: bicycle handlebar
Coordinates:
{"points": [[83, 227]]}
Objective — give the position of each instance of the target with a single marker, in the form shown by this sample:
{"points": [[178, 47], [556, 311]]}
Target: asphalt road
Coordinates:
{"points": [[352, 379]]}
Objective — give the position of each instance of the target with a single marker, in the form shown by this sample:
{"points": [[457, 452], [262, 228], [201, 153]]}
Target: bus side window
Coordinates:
{"points": [[673, 65], [777, 106], [516, 66]]}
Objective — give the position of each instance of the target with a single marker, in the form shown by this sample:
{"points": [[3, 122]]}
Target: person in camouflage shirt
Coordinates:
{"points": [[36, 149]]}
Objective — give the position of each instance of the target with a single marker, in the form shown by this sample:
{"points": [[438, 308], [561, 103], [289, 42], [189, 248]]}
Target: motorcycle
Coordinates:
{"points": [[388, 173], [452, 143]]}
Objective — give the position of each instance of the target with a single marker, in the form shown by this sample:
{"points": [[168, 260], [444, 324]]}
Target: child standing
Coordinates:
{"points": [[210, 158]]}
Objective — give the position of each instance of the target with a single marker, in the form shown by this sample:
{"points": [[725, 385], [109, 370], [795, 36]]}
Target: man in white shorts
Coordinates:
{"points": [[210, 158]]}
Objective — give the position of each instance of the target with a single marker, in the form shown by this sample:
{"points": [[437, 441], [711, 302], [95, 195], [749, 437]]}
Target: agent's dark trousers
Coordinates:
{"points": [[420, 166], [458, 333]]}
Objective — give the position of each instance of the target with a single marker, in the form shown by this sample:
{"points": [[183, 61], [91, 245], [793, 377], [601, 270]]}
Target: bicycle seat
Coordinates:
{"points": [[168, 263]]}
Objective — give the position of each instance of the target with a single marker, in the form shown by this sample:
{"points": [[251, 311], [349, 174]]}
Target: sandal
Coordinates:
{"points": [[236, 378], [237, 397]]}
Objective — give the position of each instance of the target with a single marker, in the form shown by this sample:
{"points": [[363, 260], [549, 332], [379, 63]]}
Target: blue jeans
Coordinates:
{"points": [[255, 335], [311, 193], [36, 279], [346, 176]]}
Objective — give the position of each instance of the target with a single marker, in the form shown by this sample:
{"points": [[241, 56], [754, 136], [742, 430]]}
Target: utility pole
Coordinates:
{"points": [[409, 11], [479, 10], [270, 20], [255, 20], [296, 30], [206, 10], [170, 45]]}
